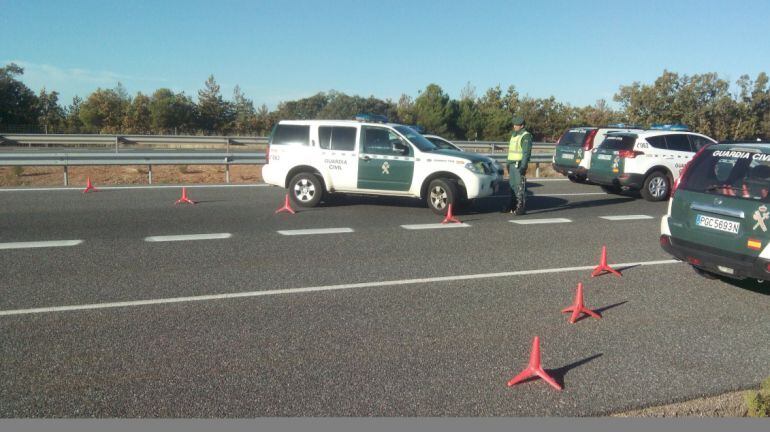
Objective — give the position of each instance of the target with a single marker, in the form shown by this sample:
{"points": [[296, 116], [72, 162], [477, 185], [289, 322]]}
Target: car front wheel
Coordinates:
{"points": [[441, 193]]}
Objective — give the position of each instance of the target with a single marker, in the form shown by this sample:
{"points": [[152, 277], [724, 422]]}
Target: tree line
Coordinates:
{"points": [[705, 102]]}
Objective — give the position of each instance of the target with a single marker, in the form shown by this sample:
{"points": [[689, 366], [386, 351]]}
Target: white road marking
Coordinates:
{"points": [[40, 244], [319, 288], [188, 237], [435, 226], [540, 221], [315, 231], [69, 188], [571, 194], [626, 217]]}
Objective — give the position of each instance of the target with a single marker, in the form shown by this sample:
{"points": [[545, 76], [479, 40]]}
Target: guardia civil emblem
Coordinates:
{"points": [[385, 167], [761, 215]]}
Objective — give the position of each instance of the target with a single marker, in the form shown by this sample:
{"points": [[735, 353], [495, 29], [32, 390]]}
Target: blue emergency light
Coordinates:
{"points": [[624, 126], [373, 118], [670, 127]]}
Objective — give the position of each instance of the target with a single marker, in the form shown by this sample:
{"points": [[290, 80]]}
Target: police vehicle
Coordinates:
{"points": [[647, 161], [445, 144], [370, 156], [719, 215], [572, 156]]}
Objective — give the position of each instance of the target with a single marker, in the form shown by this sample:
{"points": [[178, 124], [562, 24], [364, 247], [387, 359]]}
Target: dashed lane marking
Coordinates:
{"points": [[540, 221], [435, 226], [626, 217], [315, 231], [40, 244], [188, 237], [321, 288]]}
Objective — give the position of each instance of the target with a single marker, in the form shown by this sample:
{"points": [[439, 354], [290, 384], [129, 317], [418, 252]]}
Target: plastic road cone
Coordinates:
{"points": [[603, 268], [89, 186], [534, 368], [578, 307], [184, 199], [286, 207], [449, 217]]}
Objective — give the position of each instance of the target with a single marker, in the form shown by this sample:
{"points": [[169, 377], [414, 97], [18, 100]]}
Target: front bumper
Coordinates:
{"points": [[730, 265]]}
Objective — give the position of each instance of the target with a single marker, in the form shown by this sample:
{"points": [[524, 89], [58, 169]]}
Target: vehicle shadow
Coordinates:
{"points": [[749, 285]]}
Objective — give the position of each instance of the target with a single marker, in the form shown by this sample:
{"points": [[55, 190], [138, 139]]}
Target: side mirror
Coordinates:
{"points": [[400, 148]]}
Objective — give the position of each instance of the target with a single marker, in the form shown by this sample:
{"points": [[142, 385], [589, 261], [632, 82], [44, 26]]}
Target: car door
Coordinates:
{"points": [[385, 160], [338, 156], [679, 152]]}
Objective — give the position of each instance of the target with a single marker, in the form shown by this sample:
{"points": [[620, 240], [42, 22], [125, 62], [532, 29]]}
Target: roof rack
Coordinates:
{"points": [[374, 118], [670, 127]]}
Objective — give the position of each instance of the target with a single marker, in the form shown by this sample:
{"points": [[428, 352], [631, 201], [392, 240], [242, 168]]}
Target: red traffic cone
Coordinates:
{"points": [[450, 217], [603, 268], [184, 199], [534, 368], [286, 207], [579, 307], [89, 186]]}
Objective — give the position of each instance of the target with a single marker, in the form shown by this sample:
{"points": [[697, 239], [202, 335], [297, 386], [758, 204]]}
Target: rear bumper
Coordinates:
{"points": [[630, 181], [577, 171], [701, 256]]}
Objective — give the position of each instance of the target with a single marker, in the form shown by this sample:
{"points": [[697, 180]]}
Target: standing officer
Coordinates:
{"points": [[519, 152]]}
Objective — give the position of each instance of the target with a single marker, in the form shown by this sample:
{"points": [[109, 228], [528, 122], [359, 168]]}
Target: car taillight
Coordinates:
{"points": [[684, 171], [629, 154], [588, 143]]}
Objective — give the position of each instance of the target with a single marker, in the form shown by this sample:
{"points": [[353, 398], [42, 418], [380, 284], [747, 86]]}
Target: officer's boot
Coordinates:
{"points": [[513, 204]]}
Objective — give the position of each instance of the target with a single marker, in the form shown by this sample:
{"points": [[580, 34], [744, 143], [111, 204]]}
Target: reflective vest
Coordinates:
{"points": [[515, 152]]}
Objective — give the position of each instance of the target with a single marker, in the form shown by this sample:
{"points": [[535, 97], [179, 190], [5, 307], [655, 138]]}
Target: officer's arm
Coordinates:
{"points": [[526, 148]]}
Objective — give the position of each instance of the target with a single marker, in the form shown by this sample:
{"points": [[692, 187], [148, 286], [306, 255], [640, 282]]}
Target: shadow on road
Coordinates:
{"points": [[600, 311], [559, 373]]}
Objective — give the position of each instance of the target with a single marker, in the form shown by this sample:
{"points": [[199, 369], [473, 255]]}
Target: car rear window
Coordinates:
{"points": [[618, 142], [290, 135], [736, 173], [573, 138]]}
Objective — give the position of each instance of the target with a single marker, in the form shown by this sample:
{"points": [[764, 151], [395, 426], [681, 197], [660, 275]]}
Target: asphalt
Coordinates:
{"points": [[400, 343]]}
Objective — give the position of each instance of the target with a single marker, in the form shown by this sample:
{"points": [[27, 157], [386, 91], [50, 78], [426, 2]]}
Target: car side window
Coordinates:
{"points": [[698, 142], [658, 142], [678, 142], [382, 141], [337, 138]]}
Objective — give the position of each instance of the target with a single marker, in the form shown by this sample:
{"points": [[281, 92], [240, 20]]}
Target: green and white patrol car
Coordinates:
{"points": [[572, 156], [315, 157], [647, 161], [719, 215]]}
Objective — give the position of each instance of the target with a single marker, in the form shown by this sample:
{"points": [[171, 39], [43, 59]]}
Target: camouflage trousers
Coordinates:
{"points": [[518, 184]]}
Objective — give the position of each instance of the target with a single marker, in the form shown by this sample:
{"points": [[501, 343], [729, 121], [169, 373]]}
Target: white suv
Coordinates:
{"points": [[313, 157], [647, 161]]}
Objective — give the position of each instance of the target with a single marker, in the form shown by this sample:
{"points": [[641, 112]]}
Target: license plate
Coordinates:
{"points": [[604, 157], [726, 270], [717, 224], [567, 156]]}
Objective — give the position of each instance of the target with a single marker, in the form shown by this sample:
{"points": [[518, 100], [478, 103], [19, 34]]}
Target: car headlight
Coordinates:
{"points": [[475, 167]]}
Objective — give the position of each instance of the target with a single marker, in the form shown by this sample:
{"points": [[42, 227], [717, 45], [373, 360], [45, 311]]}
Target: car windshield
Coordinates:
{"points": [[736, 173], [418, 140]]}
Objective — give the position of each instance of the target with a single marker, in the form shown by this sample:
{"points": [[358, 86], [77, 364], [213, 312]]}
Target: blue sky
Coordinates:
{"points": [[577, 51]]}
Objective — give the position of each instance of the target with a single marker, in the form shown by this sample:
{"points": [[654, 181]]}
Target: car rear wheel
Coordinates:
{"points": [[656, 187], [306, 190], [441, 193]]}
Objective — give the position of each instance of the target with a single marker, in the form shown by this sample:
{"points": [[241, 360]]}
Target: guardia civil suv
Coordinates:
{"points": [[369, 156], [719, 215], [647, 161], [572, 156]]}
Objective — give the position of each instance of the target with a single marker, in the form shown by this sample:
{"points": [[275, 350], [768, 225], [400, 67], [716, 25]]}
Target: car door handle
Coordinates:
{"points": [[366, 158]]}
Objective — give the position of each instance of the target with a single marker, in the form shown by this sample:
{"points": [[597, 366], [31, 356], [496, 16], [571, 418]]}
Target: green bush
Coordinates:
{"points": [[758, 403]]}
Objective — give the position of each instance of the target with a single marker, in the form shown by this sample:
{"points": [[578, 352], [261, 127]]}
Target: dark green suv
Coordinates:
{"points": [[719, 214]]}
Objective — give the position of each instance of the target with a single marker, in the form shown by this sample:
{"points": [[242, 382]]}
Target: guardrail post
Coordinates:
{"points": [[537, 169], [66, 178], [227, 171], [149, 173]]}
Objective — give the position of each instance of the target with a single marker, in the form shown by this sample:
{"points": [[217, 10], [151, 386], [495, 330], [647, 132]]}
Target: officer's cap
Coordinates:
{"points": [[518, 120]]}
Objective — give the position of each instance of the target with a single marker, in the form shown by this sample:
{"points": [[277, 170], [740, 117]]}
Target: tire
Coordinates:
{"points": [[306, 190], [656, 187], [576, 179], [441, 192], [615, 190]]}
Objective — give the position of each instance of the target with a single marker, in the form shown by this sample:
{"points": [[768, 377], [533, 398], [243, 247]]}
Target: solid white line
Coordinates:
{"points": [[571, 194], [540, 221], [40, 244], [50, 189], [435, 226], [315, 231], [319, 289], [188, 237], [626, 217]]}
